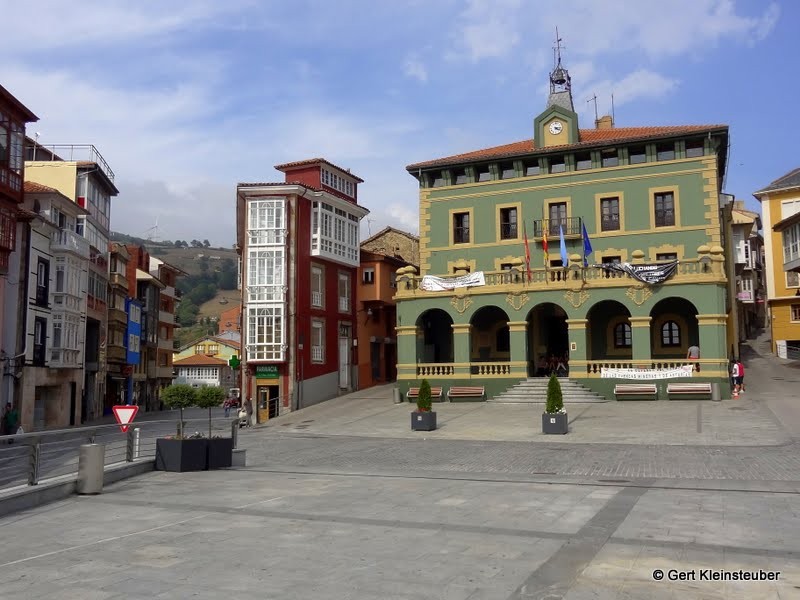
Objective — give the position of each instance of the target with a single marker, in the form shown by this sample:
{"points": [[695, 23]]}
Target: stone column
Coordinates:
{"points": [[713, 339], [640, 340], [518, 338], [577, 339], [407, 351], [462, 343]]}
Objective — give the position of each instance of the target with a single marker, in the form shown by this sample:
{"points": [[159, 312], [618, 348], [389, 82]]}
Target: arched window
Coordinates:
{"points": [[622, 335], [670, 334]]}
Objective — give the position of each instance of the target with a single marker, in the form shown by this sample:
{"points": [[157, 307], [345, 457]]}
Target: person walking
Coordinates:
{"points": [[735, 377], [741, 375], [248, 407], [10, 420]]}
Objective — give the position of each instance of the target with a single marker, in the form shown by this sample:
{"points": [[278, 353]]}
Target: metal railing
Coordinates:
{"points": [[69, 153], [33, 458]]}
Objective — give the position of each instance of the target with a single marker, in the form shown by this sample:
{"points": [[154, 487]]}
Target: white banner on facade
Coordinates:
{"points": [[681, 371], [430, 283]]}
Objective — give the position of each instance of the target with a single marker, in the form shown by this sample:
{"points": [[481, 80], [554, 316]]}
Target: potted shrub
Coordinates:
{"points": [[423, 419], [554, 418], [180, 453], [220, 449]]}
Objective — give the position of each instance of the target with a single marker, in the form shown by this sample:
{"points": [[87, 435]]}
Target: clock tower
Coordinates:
{"points": [[558, 124]]}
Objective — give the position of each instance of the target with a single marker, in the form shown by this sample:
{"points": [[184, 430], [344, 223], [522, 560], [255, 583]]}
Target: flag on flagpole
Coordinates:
{"points": [[587, 247], [527, 251], [564, 257], [544, 244]]}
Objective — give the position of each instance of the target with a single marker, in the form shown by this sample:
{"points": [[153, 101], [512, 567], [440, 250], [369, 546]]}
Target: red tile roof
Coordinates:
{"points": [[31, 187], [588, 138], [313, 161], [200, 360]]}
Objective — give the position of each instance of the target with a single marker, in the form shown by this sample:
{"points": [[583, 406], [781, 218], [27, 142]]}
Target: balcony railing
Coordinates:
{"points": [[65, 358], [317, 354], [435, 369], [571, 226], [71, 152], [65, 240], [316, 299], [344, 304], [559, 278]]}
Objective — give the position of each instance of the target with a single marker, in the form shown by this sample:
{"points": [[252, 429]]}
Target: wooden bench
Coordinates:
{"points": [[689, 389], [436, 393], [466, 392], [636, 389]]}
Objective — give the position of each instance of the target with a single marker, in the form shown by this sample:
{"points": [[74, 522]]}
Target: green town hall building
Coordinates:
{"points": [[478, 313]]}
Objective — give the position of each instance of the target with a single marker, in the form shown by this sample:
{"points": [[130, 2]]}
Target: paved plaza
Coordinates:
{"points": [[343, 501]]}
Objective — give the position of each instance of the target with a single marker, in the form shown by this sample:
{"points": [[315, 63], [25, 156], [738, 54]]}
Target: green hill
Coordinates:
{"points": [[211, 276]]}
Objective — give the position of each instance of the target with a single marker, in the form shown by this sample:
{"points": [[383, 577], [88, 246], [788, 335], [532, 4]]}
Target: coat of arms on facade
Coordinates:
{"points": [[461, 303], [517, 301], [639, 295], [576, 298]]}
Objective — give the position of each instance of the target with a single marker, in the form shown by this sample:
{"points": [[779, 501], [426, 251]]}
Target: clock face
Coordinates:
{"points": [[556, 127]]}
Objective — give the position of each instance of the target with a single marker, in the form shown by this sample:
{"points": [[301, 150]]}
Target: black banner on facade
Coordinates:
{"points": [[651, 274]]}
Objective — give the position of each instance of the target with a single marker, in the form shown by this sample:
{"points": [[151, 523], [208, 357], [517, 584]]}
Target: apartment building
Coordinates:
{"points": [[299, 246], [780, 209], [14, 116], [54, 278], [79, 172]]}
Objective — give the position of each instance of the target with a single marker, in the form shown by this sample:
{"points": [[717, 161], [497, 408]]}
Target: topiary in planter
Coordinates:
{"points": [[424, 397], [555, 400], [209, 396], [179, 396]]}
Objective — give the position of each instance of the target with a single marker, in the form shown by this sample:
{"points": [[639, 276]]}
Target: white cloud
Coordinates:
{"points": [[489, 29], [413, 67], [94, 23]]}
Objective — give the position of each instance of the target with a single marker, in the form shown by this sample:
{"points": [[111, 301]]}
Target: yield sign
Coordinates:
{"points": [[124, 415]]}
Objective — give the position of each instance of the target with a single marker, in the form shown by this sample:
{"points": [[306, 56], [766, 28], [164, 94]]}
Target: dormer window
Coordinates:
{"points": [[694, 148], [665, 151], [583, 161], [610, 157], [557, 165], [637, 155]]}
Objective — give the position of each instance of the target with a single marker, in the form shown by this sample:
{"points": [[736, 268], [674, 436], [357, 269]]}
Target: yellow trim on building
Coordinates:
{"points": [[651, 198], [451, 225], [598, 213], [498, 227]]}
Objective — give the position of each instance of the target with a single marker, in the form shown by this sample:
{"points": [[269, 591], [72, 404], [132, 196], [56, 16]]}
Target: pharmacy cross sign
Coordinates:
{"points": [[234, 362], [124, 415]]}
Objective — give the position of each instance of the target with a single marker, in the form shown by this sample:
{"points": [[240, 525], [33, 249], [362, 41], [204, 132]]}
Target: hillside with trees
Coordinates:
{"points": [[210, 281]]}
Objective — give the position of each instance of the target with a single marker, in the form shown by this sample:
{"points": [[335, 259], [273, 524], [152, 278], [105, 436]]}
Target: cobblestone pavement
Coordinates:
{"points": [[359, 454]]}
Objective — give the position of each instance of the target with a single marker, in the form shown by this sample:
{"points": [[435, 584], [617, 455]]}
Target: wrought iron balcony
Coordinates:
{"points": [[572, 227]]}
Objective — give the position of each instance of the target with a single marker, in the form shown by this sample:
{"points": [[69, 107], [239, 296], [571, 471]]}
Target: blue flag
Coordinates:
{"points": [[564, 257], [587, 247]]}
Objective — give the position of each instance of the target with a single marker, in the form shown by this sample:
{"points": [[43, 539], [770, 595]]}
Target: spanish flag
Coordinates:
{"points": [[544, 244]]}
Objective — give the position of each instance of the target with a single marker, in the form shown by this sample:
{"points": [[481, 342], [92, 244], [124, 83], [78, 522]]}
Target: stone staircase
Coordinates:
{"points": [[534, 389]]}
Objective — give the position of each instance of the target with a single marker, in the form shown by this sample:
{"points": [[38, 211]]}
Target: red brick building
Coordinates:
{"points": [[299, 247]]}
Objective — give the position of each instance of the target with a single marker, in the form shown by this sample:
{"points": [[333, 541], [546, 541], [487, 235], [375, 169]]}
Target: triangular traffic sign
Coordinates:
{"points": [[124, 415]]}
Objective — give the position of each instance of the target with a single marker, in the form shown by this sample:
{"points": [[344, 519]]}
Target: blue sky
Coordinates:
{"points": [[184, 100]]}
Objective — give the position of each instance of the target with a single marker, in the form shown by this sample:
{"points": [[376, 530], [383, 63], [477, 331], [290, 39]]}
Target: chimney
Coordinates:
{"points": [[604, 122]]}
